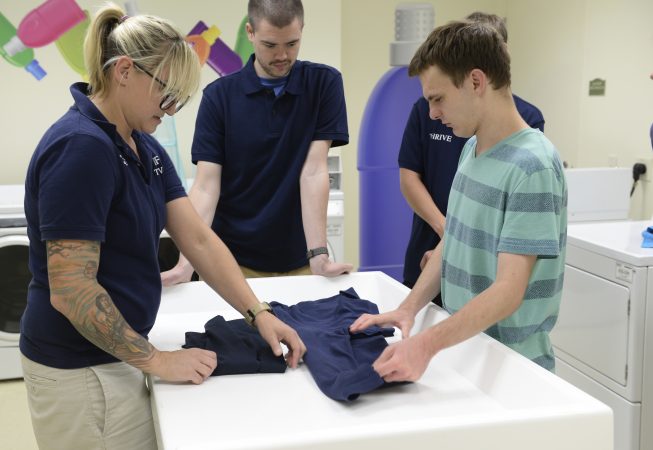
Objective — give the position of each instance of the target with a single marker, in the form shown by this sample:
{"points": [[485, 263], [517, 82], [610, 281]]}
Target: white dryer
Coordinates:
{"points": [[603, 340], [336, 225], [600, 339], [14, 277]]}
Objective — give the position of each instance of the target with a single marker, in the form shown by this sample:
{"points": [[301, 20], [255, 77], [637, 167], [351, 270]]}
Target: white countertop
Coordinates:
{"points": [[477, 395], [620, 240]]}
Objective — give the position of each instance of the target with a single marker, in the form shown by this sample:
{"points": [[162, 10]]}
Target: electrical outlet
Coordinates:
{"points": [[648, 162]]}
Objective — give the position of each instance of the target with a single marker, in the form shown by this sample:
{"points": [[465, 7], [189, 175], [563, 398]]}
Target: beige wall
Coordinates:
{"points": [[556, 46], [32, 106], [547, 57], [37, 104], [571, 43]]}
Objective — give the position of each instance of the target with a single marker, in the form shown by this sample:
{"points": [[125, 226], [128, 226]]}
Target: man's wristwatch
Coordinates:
{"points": [[250, 315], [317, 251]]}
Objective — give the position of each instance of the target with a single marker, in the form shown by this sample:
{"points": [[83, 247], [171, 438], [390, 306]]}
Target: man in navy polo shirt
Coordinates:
{"points": [[428, 159], [261, 141]]}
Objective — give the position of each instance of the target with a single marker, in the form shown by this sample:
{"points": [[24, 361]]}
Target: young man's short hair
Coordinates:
{"points": [[280, 13], [459, 47]]}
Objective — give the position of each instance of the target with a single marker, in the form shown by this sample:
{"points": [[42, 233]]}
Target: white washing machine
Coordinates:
{"points": [[604, 335], [14, 277], [336, 225]]}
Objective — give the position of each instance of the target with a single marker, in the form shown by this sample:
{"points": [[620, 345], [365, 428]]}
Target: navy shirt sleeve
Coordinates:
{"points": [[76, 189], [410, 152], [209, 137], [173, 188], [332, 119]]}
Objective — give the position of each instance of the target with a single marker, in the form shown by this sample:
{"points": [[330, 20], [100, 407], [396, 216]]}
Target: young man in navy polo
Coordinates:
{"points": [[428, 159], [261, 141]]}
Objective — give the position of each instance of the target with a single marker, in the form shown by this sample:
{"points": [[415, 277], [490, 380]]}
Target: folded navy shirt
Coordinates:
{"points": [[239, 347], [340, 362]]}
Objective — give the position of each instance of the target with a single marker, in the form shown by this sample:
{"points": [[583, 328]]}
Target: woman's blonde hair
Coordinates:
{"points": [[151, 42]]}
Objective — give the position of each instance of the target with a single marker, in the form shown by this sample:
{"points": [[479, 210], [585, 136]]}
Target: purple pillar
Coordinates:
{"points": [[385, 217]]}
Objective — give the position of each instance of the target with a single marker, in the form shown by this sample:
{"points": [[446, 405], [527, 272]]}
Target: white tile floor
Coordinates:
{"points": [[15, 424]]}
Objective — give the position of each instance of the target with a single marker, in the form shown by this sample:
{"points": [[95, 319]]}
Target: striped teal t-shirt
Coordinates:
{"points": [[513, 199]]}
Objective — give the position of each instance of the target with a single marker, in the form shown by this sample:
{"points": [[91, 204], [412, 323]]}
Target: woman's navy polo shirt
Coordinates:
{"points": [[261, 141], [84, 182], [432, 150]]}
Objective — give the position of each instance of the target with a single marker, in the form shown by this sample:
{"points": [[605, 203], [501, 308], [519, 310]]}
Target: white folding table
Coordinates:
{"points": [[476, 395]]}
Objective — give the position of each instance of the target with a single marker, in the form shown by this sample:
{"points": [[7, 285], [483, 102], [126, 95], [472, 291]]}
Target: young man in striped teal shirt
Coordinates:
{"points": [[500, 265]]}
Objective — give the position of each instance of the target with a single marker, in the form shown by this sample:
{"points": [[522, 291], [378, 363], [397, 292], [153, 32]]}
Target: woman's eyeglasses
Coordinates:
{"points": [[168, 100]]}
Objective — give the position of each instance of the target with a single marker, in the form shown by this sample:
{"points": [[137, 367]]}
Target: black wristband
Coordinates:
{"points": [[317, 251]]}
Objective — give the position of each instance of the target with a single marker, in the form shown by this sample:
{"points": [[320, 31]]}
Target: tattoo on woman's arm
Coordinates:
{"points": [[72, 271]]}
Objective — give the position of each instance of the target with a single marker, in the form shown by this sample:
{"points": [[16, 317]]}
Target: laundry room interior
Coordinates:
{"points": [[586, 65]]}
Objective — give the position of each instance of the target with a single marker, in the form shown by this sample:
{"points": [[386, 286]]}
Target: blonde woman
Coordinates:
{"points": [[99, 191]]}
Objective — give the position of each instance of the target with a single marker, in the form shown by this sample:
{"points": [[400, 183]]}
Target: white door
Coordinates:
{"points": [[14, 279], [593, 323]]}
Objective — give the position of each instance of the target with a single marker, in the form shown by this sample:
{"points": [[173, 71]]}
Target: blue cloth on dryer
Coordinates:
{"points": [[340, 362], [647, 234]]}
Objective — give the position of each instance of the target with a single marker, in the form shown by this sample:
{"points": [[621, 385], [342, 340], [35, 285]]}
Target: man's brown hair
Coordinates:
{"points": [[280, 13], [459, 47]]}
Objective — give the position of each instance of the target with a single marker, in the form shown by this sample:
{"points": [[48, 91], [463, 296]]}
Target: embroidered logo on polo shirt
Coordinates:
{"points": [[440, 137], [158, 168]]}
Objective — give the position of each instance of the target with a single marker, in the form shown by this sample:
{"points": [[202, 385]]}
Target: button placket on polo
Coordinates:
{"points": [[277, 118]]}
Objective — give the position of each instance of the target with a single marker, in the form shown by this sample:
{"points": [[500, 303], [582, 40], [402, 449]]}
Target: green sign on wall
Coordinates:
{"points": [[597, 86]]}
